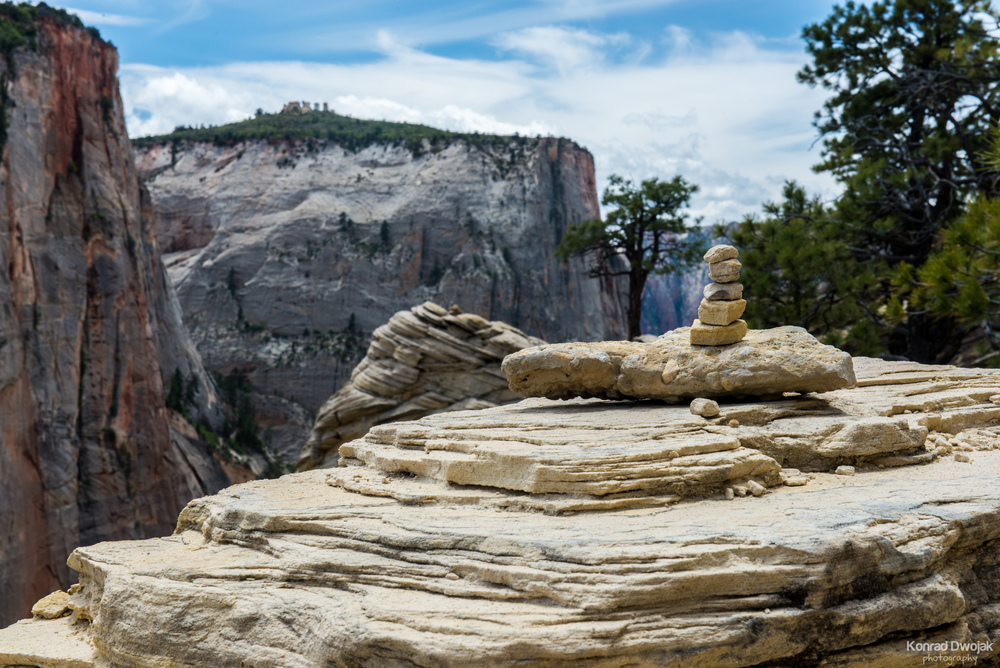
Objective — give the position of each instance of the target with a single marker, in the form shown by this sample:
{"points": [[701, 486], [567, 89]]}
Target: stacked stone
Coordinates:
{"points": [[718, 322]]}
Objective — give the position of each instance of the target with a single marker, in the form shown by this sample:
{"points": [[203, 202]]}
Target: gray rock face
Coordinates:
{"points": [[767, 362], [380, 563], [89, 328], [423, 361], [279, 250]]}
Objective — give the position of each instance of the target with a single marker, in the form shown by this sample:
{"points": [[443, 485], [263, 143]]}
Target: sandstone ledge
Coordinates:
{"points": [[767, 362], [375, 564]]}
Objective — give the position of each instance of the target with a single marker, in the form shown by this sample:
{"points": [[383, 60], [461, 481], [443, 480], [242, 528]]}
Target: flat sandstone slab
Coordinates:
{"points": [[766, 362], [383, 561], [705, 334]]}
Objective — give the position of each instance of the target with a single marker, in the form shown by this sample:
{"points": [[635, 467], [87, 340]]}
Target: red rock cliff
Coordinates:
{"points": [[89, 327]]}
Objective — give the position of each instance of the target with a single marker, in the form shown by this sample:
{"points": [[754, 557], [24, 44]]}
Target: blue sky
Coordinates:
{"points": [[704, 88]]}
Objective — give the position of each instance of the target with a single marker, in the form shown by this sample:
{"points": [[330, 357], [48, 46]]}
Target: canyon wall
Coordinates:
{"points": [[89, 324], [287, 254]]}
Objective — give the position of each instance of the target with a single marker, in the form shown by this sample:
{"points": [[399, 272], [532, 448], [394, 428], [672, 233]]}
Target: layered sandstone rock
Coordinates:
{"points": [[423, 361], [666, 539], [288, 255], [767, 363], [89, 326]]}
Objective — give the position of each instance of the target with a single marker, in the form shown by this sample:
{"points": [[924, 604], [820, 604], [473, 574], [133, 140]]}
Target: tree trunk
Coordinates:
{"points": [[636, 284]]}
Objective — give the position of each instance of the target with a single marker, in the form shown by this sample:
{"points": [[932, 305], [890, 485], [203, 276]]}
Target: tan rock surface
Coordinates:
{"points": [[766, 362], [382, 563], [422, 361], [721, 313]]}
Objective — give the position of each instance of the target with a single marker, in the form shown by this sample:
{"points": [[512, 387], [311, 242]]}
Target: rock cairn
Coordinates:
{"points": [[718, 322]]}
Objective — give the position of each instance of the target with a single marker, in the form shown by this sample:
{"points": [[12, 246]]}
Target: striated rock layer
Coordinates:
{"points": [[423, 549], [89, 326], [766, 363], [288, 255], [423, 361]]}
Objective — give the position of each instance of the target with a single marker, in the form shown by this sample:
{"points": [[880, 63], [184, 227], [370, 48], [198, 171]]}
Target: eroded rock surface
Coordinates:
{"points": [[667, 539], [767, 362], [423, 361]]}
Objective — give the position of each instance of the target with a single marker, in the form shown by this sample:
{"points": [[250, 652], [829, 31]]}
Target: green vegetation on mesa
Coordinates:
{"points": [[18, 29], [351, 133], [17, 25]]}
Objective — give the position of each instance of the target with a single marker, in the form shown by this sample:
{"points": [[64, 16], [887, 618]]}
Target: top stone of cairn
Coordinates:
{"points": [[720, 253]]}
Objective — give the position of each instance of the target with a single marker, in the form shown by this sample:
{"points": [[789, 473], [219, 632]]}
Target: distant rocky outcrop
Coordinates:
{"points": [[90, 328], [851, 528], [288, 253], [423, 361]]}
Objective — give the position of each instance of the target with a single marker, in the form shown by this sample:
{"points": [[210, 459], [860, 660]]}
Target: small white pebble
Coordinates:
{"points": [[845, 470], [452, 576], [730, 494], [962, 457], [907, 412], [705, 408], [756, 488], [767, 611]]}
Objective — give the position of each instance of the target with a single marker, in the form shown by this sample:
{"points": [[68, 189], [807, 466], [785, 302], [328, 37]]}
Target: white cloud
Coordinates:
{"points": [[158, 100], [566, 49], [727, 115]]}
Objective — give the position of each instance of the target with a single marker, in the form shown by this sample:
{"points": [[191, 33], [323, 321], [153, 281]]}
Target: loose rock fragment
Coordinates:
{"points": [[704, 407], [845, 470], [734, 423], [730, 494], [962, 457], [793, 477], [756, 488], [52, 606]]}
